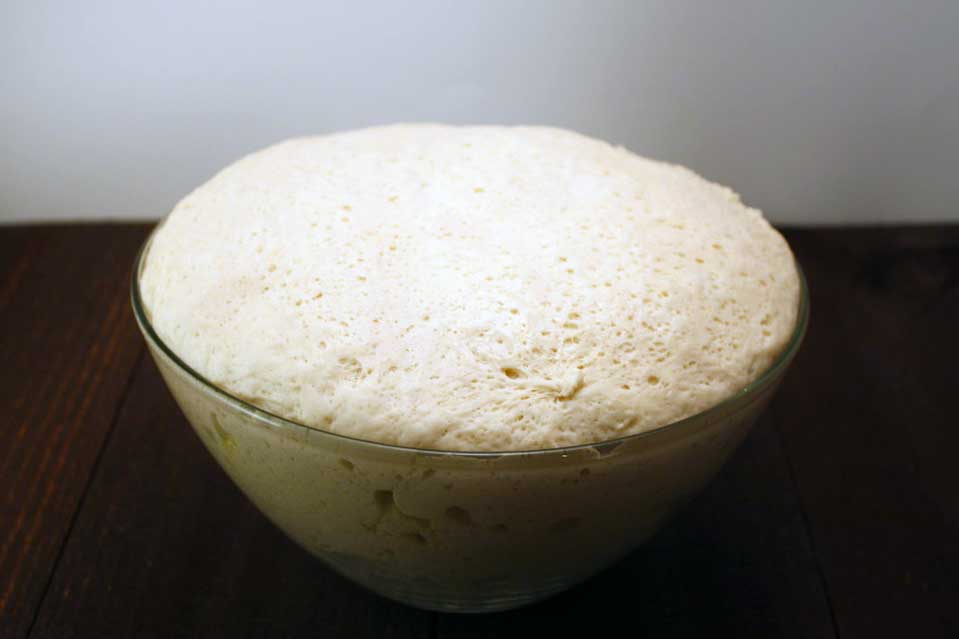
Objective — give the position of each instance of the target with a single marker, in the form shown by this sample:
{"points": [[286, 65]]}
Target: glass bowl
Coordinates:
{"points": [[459, 531]]}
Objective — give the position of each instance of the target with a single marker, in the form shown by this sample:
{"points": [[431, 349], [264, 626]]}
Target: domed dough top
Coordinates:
{"points": [[470, 288]]}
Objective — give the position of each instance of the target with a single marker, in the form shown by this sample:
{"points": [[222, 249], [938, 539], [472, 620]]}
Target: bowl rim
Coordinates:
{"points": [[761, 382]]}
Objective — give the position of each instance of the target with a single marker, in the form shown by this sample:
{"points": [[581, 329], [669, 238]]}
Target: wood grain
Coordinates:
{"points": [[866, 428], [838, 517], [68, 349]]}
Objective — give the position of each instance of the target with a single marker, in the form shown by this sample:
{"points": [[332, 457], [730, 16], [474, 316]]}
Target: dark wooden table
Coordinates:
{"points": [[839, 516]]}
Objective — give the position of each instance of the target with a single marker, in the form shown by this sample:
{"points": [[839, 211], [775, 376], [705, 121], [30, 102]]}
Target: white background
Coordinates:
{"points": [[817, 112]]}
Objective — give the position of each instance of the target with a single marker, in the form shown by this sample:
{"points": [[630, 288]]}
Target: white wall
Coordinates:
{"points": [[815, 111]]}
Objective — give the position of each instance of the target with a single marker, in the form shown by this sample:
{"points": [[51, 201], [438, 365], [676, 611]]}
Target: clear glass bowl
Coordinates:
{"points": [[454, 531]]}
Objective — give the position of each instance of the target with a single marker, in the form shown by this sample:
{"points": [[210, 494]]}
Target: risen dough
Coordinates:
{"points": [[470, 288]]}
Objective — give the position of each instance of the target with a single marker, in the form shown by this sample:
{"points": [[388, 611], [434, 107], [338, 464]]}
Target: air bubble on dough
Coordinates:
{"points": [[545, 295]]}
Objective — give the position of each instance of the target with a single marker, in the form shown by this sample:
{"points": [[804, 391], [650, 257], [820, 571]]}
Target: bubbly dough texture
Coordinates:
{"points": [[470, 288]]}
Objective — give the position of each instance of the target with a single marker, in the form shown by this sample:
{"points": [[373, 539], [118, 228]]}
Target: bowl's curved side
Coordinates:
{"points": [[457, 533], [462, 531]]}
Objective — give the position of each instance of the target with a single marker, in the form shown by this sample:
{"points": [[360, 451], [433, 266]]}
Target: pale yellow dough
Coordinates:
{"points": [[470, 288]]}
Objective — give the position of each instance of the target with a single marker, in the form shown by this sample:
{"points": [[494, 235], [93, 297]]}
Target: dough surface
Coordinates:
{"points": [[470, 288]]}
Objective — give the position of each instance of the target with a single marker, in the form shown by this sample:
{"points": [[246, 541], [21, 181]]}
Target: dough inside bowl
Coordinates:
{"points": [[470, 288]]}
